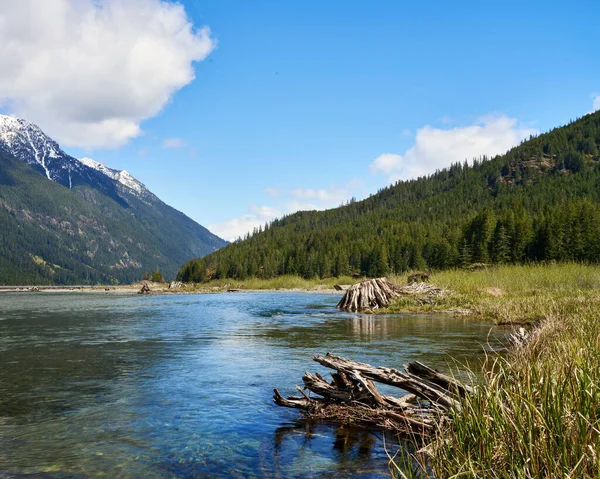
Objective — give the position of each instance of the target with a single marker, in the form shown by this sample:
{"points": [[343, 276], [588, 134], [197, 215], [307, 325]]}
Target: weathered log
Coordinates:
{"points": [[358, 415], [352, 397], [450, 384], [371, 294], [411, 383], [291, 401], [145, 289], [329, 391]]}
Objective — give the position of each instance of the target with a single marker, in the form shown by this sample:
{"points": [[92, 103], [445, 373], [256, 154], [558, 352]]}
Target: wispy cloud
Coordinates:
{"points": [[596, 103], [235, 228], [272, 192], [287, 202], [173, 143], [436, 148], [322, 198]]}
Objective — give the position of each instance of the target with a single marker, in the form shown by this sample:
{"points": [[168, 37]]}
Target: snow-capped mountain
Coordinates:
{"points": [[122, 176], [28, 143], [89, 222]]}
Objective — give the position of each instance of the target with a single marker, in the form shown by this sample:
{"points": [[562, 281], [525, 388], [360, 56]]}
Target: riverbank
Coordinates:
{"points": [[525, 294], [535, 411], [287, 283], [291, 284]]}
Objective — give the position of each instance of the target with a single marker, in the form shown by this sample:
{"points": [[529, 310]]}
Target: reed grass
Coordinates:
{"points": [[508, 294], [535, 412]]}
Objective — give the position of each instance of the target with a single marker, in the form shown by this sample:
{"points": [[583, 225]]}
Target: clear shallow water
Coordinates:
{"points": [[181, 386]]}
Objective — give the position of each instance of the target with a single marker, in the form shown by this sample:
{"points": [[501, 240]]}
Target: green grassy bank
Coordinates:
{"points": [[286, 282], [508, 294], [536, 411]]}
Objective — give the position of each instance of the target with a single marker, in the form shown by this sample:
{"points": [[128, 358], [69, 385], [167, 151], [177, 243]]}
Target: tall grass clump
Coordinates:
{"points": [[509, 293], [535, 412]]}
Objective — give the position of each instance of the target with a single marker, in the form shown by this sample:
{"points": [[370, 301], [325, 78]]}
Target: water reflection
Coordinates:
{"points": [[180, 386], [354, 452]]}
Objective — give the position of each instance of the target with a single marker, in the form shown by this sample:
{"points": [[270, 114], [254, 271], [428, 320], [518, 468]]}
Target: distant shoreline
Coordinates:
{"points": [[133, 289]]}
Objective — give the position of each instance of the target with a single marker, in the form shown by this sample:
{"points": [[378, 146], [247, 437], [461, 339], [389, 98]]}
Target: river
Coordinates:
{"points": [[180, 386]]}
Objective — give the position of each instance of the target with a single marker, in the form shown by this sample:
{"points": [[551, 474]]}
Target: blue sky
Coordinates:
{"points": [[304, 104]]}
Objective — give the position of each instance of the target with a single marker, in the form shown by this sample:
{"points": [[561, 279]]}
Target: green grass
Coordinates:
{"points": [[509, 294], [288, 282], [536, 410]]}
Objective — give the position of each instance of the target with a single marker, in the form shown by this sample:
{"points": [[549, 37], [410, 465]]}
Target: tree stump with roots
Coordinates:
{"points": [[368, 295]]}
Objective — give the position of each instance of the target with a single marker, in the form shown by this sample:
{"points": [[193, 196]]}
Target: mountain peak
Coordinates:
{"points": [[28, 143], [122, 176], [13, 123]]}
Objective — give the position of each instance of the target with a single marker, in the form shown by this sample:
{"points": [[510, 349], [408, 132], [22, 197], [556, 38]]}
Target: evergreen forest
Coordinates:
{"points": [[539, 202]]}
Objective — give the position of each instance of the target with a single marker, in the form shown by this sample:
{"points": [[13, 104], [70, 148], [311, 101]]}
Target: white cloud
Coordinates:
{"points": [[272, 192], [386, 163], [596, 104], [309, 193], [173, 143], [90, 71], [237, 227], [437, 148], [323, 198], [297, 199]]}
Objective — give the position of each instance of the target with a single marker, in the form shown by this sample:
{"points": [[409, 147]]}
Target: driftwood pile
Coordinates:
{"points": [[352, 398], [368, 295], [423, 293], [378, 293]]}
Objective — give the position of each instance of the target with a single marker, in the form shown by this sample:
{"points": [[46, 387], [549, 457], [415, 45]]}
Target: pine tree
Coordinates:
{"points": [[499, 245], [157, 276], [465, 254]]}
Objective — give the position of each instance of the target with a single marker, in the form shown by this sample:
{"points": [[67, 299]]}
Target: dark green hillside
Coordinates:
{"points": [[52, 235], [538, 202]]}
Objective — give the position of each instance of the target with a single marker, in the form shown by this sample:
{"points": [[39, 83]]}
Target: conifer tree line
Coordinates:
{"points": [[538, 202]]}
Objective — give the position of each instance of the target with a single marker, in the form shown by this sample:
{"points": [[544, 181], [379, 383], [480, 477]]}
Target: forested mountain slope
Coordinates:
{"points": [[540, 201], [63, 221]]}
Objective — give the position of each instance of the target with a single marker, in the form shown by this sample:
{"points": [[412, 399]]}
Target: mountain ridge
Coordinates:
{"points": [[94, 223], [122, 176]]}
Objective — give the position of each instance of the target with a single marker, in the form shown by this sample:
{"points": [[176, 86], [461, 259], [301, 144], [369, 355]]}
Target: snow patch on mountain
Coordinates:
{"points": [[28, 142], [122, 176]]}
